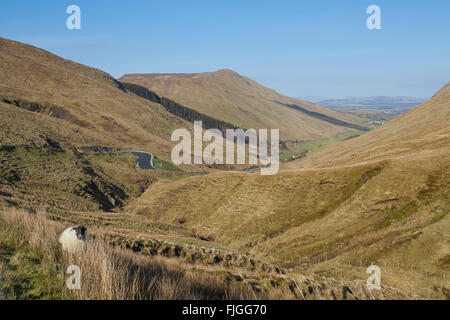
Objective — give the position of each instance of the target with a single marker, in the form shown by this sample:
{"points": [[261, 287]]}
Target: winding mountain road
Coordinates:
{"points": [[145, 159]]}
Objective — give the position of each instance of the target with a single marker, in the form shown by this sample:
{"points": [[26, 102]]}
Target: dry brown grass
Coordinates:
{"points": [[80, 106], [243, 102], [421, 131], [329, 207], [106, 272]]}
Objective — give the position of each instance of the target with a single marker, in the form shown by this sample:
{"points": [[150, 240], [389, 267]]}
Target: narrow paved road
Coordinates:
{"points": [[145, 159]]}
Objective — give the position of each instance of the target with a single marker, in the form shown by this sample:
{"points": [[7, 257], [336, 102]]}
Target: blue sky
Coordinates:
{"points": [[299, 48]]}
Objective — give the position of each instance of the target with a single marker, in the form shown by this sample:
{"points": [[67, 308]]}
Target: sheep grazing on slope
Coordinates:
{"points": [[74, 239]]}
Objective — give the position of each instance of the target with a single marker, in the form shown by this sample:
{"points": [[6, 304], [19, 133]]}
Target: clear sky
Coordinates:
{"points": [[300, 48]]}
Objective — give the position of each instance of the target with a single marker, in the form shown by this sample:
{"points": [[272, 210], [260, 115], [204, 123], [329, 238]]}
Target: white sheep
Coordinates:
{"points": [[74, 239]]}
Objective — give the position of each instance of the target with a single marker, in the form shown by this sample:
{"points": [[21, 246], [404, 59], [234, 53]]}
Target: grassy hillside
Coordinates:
{"points": [[228, 96], [177, 109], [35, 178], [50, 110], [419, 132], [382, 197], [308, 232], [44, 96], [34, 267]]}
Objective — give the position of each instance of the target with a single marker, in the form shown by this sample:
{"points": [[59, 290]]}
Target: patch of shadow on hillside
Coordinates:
{"points": [[323, 117], [48, 109]]}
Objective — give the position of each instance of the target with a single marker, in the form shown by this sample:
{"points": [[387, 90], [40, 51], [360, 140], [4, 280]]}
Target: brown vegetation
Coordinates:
{"points": [[228, 96], [382, 197], [33, 267], [106, 272], [42, 95]]}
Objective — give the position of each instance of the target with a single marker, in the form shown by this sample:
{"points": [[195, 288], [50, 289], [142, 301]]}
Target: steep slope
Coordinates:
{"points": [[42, 95], [228, 96], [177, 109], [421, 131], [50, 109], [380, 198]]}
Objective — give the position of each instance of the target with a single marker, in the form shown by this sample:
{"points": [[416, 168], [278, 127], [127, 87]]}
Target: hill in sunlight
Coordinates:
{"points": [[236, 99]]}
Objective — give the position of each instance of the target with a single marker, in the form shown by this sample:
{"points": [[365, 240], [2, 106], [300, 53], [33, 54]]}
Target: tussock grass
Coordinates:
{"points": [[33, 267]]}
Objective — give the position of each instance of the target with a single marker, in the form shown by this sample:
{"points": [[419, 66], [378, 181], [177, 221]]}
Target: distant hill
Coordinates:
{"points": [[228, 96], [381, 103], [412, 132]]}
